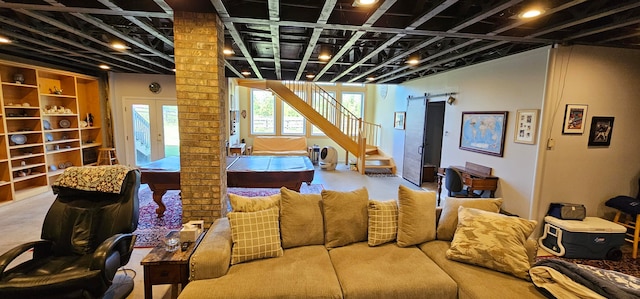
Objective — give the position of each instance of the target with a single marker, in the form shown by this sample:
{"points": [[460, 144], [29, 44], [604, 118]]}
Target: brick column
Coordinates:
{"points": [[202, 113]]}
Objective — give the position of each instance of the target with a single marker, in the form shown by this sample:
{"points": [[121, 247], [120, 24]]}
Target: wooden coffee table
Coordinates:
{"points": [[163, 267]]}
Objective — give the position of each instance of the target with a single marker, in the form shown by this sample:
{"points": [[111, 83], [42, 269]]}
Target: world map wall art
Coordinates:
{"points": [[483, 132]]}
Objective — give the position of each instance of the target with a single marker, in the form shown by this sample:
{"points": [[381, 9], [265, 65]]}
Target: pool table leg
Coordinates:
{"points": [[157, 197]]}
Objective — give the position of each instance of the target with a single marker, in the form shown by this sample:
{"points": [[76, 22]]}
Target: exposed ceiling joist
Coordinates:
{"points": [[322, 19]]}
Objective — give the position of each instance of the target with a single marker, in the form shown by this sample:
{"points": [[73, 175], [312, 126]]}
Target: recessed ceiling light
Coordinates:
{"points": [[105, 67], [4, 40], [371, 78], [227, 51], [174, 70], [246, 73], [310, 76], [413, 61], [531, 13], [119, 46]]}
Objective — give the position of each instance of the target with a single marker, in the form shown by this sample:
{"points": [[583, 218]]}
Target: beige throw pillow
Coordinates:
{"points": [[449, 217], [255, 235], [253, 204], [416, 217], [493, 241], [301, 220], [383, 222], [345, 217]]}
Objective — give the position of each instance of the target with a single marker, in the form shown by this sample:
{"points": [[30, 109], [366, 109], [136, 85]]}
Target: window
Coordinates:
{"points": [[327, 110], [353, 101], [292, 122], [263, 112]]}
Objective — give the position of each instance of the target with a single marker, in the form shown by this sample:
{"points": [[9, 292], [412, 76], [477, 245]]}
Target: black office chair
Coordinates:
{"points": [[86, 237], [455, 186]]}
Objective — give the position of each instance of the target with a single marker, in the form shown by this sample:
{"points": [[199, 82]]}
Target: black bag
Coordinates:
{"points": [[567, 211]]}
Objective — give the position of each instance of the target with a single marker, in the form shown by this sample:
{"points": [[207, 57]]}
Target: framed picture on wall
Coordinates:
{"points": [[601, 129], [398, 120], [574, 119], [526, 126], [483, 132]]}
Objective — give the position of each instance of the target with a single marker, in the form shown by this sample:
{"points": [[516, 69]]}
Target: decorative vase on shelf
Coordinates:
{"points": [[18, 78]]}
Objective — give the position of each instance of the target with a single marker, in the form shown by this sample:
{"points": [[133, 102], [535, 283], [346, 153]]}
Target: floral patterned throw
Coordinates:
{"points": [[107, 178]]}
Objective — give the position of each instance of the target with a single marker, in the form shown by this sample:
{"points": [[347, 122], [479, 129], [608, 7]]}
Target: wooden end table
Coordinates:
{"points": [[163, 267], [237, 149]]}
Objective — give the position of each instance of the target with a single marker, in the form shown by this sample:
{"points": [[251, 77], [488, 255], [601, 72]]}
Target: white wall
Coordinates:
{"points": [[608, 81], [506, 84], [134, 86]]}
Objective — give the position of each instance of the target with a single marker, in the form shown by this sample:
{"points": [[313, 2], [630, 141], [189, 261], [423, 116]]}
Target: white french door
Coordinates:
{"points": [[151, 128]]}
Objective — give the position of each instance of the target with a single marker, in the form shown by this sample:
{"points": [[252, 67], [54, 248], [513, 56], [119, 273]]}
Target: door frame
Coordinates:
{"points": [[155, 115]]}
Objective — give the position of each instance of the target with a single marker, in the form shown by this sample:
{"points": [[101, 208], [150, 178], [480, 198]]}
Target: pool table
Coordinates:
{"points": [[242, 171]]}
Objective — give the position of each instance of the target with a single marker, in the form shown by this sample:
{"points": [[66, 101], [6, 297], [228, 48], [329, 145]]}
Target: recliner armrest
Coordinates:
{"points": [[9, 256], [212, 257], [113, 253]]}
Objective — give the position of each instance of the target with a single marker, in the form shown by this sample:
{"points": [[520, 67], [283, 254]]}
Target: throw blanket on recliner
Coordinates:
{"points": [[567, 280], [107, 178]]}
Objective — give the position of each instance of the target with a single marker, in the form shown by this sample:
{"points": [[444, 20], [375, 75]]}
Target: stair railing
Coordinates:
{"points": [[338, 115]]}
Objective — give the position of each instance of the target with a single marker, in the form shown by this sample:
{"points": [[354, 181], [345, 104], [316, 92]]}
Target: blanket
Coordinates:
{"points": [[107, 178], [562, 279]]}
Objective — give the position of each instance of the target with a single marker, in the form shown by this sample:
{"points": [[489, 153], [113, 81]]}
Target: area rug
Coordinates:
{"points": [[627, 265], [378, 172], [152, 229]]}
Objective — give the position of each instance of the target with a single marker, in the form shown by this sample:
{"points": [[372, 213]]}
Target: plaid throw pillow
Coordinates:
{"points": [[255, 235], [383, 222]]}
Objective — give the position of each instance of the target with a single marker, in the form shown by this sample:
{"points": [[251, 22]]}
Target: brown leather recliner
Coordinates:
{"points": [[86, 237]]}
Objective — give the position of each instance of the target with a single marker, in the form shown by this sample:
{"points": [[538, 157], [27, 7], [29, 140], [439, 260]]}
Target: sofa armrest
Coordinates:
{"points": [[213, 256]]}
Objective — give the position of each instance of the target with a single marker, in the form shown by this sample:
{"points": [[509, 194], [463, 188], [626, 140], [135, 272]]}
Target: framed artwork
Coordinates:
{"points": [[574, 116], [398, 120], [601, 129], [483, 132], [526, 126]]}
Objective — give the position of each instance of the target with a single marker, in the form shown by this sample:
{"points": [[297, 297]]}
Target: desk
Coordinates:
{"points": [[237, 149], [474, 176], [163, 267], [242, 171]]}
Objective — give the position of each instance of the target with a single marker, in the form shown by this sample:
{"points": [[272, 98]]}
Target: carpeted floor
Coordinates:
{"points": [[151, 229], [627, 265]]}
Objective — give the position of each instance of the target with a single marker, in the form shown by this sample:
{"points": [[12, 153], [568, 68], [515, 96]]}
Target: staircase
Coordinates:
{"points": [[356, 136]]}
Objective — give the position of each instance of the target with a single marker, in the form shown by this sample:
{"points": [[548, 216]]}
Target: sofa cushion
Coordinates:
{"points": [[255, 235], [241, 203], [383, 222], [478, 282], [302, 272], [389, 271], [301, 221], [416, 217], [492, 240], [345, 217], [449, 217]]}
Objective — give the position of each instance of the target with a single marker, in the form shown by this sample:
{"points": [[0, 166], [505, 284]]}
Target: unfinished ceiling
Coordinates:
{"points": [[282, 39]]}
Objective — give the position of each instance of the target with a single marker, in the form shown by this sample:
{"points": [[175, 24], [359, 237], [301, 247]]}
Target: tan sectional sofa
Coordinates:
{"points": [[279, 146], [356, 270]]}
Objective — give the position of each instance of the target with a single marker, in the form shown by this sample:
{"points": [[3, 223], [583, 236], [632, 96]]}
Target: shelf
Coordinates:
{"points": [[55, 172], [28, 177], [61, 141], [19, 85], [61, 130], [57, 95], [26, 166], [31, 191], [3, 183], [62, 150], [24, 145], [59, 114], [4, 160], [23, 132], [22, 117], [90, 128], [26, 156], [90, 145]]}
